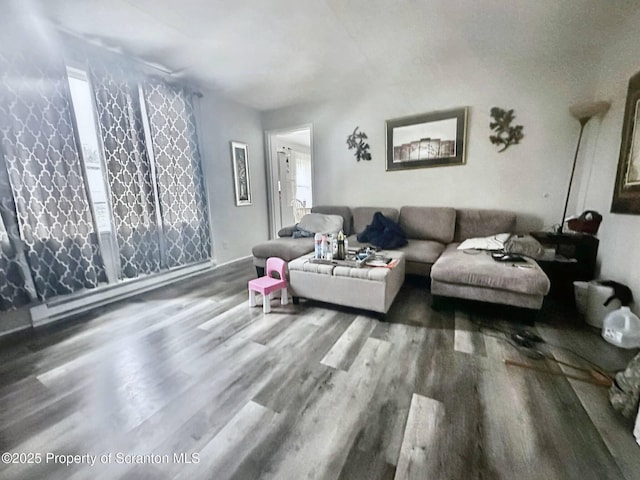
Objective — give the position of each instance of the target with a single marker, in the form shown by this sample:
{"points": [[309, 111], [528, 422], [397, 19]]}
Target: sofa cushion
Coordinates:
{"points": [[422, 251], [286, 248], [320, 223], [363, 216], [428, 223], [480, 270], [344, 212], [473, 222]]}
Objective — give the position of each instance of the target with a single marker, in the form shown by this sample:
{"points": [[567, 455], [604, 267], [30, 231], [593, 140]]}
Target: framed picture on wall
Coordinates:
{"points": [[626, 194], [428, 140], [240, 162]]}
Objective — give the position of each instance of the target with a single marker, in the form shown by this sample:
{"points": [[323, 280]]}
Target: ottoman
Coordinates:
{"points": [[367, 288], [478, 277]]}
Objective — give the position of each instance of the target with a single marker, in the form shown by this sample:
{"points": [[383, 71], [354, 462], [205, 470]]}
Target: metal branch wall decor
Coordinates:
{"points": [[505, 134], [357, 140]]}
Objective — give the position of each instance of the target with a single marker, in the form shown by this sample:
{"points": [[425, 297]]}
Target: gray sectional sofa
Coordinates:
{"points": [[433, 236]]}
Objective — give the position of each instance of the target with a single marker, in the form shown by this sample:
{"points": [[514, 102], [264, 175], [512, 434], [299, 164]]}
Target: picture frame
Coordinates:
{"points": [[626, 193], [241, 177], [433, 139]]}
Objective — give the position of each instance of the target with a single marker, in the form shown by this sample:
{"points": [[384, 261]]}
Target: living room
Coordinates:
{"points": [[257, 68]]}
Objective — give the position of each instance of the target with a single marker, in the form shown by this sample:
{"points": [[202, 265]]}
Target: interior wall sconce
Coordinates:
{"points": [[505, 134], [357, 140]]}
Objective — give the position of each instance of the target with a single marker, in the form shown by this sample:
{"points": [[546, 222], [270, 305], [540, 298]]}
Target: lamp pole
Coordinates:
{"points": [[583, 122], [583, 113]]}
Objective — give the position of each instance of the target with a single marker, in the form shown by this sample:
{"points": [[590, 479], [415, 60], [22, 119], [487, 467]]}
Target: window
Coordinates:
{"points": [[94, 171], [303, 178], [143, 170]]}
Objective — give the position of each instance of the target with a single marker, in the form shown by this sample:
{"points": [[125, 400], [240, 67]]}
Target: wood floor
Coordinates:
{"points": [[188, 382]]}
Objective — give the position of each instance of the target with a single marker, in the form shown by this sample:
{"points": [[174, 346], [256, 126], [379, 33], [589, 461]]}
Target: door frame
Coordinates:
{"points": [[272, 170]]}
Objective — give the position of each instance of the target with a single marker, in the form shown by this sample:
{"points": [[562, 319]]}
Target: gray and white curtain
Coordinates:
{"points": [[16, 289], [128, 168], [181, 191], [48, 242], [43, 165]]}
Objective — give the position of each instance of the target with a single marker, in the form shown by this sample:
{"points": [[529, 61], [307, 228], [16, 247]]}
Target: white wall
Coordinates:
{"points": [[530, 178], [619, 255], [234, 230]]}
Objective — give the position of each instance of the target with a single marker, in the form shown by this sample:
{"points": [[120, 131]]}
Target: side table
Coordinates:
{"points": [[575, 259]]}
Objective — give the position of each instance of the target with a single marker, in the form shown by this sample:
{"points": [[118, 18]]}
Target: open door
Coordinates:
{"points": [[290, 168]]}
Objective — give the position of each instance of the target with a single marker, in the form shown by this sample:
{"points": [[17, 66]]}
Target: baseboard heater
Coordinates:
{"points": [[81, 302]]}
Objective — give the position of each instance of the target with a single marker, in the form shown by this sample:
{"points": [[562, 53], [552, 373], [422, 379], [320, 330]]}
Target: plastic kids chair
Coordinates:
{"points": [[268, 284]]}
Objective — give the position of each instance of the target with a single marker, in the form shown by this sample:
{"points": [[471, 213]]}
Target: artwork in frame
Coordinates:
{"points": [[429, 140], [626, 193], [240, 157]]}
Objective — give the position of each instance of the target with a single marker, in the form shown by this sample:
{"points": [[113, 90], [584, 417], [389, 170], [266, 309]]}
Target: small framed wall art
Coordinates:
{"points": [[626, 193], [242, 184], [428, 140]]}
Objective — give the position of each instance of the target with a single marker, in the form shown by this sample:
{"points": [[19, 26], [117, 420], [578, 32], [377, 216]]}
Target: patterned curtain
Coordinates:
{"points": [[129, 170], [181, 192], [43, 164], [15, 286]]}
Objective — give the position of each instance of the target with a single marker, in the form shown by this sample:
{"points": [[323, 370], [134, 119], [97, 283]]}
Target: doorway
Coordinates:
{"points": [[290, 165]]}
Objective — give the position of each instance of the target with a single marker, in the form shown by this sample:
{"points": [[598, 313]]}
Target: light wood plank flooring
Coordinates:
{"points": [[306, 392]]}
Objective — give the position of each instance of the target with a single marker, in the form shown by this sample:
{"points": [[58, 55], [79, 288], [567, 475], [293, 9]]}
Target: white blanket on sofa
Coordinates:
{"points": [[492, 242]]}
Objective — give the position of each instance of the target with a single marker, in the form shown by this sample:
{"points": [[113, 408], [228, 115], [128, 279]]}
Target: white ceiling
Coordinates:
{"points": [[275, 53]]}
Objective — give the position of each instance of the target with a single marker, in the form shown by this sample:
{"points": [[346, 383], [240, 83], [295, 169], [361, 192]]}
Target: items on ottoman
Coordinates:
{"points": [[367, 288], [269, 283]]}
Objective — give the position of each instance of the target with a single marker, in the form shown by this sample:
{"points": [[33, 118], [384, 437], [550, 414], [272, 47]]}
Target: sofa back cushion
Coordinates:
{"points": [[474, 222], [344, 212], [428, 223], [363, 216], [321, 223]]}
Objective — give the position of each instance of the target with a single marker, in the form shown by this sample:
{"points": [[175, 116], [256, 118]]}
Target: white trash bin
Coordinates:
{"points": [[596, 310], [581, 292]]}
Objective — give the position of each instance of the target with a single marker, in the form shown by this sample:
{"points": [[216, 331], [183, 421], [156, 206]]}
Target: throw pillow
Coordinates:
{"points": [[524, 245]]}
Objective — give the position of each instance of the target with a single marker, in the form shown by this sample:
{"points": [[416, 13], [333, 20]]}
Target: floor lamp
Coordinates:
{"points": [[583, 113]]}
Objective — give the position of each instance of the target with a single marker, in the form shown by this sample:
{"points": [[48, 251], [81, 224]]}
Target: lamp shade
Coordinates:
{"points": [[584, 111]]}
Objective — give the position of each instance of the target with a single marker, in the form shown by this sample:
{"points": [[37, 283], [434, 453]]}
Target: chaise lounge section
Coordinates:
{"points": [[474, 275]]}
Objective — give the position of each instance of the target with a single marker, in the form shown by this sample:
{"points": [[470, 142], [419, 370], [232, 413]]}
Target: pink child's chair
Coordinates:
{"points": [[268, 284]]}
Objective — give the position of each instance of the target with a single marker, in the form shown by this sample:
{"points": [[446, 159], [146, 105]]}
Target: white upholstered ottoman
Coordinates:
{"points": [[368, 288]]}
